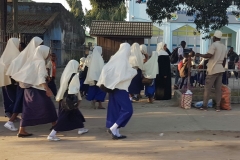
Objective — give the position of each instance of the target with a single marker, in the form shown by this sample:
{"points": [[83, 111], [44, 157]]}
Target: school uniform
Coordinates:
{"points": [[117, 75], [150, 71], [95, 66], [38, 108]]}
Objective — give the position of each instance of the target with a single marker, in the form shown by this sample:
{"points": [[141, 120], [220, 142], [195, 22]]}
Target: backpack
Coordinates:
{"points": [[174, 56]]}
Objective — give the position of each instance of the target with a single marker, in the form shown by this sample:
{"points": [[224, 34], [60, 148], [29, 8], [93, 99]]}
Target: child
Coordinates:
{"points": [[68, 119]]}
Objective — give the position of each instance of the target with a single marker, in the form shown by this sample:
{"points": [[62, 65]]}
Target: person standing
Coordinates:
{"points": [[116, 76], [136, 60], [163, 80], [150, 71], [216, 56], [233, 59], [9, 86], [68, 119], [82, 77], [14, 67], [96, 63], [38, 107], [180, 57], [52, 71]]}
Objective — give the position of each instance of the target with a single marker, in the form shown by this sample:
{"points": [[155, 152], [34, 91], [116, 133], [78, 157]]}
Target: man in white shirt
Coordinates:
{"points": [[180, 57], [217, 55]]}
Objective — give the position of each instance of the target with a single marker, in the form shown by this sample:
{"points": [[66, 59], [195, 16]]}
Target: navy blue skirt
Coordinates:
{"points": [[69, 120], [83, 87], [9, 97], [120, 109], [150, 90], [19, 100], [136, 83], [95, 93], [38, 108]]}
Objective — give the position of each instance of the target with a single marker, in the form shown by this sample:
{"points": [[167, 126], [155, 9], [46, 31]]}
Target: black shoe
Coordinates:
{"points": [[122, 137], [24, 135], [114, 137]]}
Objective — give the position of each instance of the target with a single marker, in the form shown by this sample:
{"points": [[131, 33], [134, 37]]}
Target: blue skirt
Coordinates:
{"points": [[136, 83], [19, 100], [9, 97], [83, 87], [38, 108], [120, 108], [150, 90], [95, 93], [69, 120]]}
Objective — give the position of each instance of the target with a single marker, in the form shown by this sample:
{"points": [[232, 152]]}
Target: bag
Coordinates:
{"points": [[105, 89], [146, 81], [186, 100], [174, 56], [183, 71], [70, 101], [226, 98]]}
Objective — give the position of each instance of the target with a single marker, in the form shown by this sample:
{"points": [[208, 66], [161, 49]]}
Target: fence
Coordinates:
{"points": [[230, 78]]}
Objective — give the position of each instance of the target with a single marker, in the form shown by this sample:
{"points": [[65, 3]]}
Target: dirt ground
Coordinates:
{"points": [[159, 131]]}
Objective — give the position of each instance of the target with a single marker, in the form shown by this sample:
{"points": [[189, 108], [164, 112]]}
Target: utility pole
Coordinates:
{"points": [[15, 17]]}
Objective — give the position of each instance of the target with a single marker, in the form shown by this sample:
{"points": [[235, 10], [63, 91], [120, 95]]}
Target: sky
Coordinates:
{"points": [[85, 3]]}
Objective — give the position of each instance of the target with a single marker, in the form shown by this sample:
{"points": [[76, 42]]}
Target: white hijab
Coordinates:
{"points": [[136, 58], [95, 66], [150, 68], [82, 60], [160, 49], [118, 73], [11, 51], [143, 48], [74, 86], [34, 72], [88, 59], [23, 57]]}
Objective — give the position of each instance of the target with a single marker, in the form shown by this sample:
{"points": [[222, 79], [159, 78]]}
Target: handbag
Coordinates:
{"points": [[69, 101], [147, 81]]}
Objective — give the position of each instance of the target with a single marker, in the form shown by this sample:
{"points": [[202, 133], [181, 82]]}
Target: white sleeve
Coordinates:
{"points": [[49, 65], [180, 51], [74, 85]]}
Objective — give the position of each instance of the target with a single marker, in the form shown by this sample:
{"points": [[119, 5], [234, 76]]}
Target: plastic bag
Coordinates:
{"points": [[200, 104]]}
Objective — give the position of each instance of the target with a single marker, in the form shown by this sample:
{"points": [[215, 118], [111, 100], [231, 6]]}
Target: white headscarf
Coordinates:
{"points": [[34, 72], [74, 86], [23, 57], [82, 60], [136, 58], [11, 51], [88, 59], [150, 68], [143, 48], [95, 66], [160, 49], [118, 73]]}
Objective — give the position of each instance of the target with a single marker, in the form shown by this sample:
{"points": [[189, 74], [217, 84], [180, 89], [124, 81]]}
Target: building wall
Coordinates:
{"points": [[63, 32], [137, 12]]}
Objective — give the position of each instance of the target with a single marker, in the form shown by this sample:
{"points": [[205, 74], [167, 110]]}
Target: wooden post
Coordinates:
{"points": [[15, 17]]}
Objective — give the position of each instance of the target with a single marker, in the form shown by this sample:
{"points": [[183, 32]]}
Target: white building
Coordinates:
{"points": [[181, 27]]}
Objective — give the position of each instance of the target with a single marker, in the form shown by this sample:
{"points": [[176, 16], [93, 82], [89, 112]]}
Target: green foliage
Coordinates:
{"points": [[76, 9], [210, 14], [117, 13]]}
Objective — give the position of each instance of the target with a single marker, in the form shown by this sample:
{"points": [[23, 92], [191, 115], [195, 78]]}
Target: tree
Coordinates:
{"points": [[76, 9], [209, 14], [115, 13]]}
